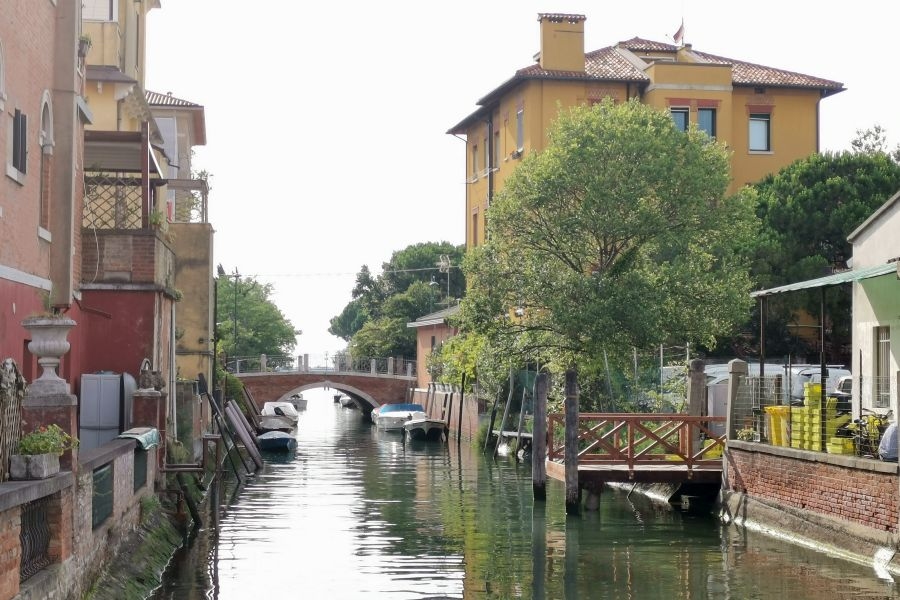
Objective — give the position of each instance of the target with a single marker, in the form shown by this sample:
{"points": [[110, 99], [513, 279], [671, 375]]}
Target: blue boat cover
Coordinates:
{"points": [[387, 408]]}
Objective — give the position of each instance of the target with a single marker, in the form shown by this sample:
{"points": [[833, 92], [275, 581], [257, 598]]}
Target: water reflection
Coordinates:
{"points": [[355, 513]]}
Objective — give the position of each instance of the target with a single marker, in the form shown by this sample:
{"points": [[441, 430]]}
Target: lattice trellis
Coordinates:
{"points": [[12, 391], [112, 202]]}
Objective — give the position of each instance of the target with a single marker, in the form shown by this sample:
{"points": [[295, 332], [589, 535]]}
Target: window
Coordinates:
{"points": [[474, 229], [882, 362], [760, 132], [433, 343], [475, 161], [496, 150], [706, 120], [487, 155], [680, 116], [17, 146], [520, 130]]}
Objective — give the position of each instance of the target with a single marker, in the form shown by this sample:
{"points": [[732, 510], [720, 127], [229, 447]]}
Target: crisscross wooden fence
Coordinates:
{"points": [[640, 441]]}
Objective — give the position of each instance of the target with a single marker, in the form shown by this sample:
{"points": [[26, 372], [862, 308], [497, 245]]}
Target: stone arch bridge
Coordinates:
{"points": [[369, 390]]}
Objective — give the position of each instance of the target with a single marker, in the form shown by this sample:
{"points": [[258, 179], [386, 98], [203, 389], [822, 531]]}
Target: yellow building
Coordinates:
{"points": [[768, 117]]}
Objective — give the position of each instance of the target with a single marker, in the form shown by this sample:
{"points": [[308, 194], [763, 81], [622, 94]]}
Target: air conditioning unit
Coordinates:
{"points": [[104, 407]]}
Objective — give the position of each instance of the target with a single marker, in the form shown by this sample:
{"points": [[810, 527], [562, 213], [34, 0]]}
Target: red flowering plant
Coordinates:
{"points": [[49, 439]]}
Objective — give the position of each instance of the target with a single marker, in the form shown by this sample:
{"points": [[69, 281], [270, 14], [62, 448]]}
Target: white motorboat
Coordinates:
{"points": [[280, 409], [424, 429], [346, 401], [298, 401], [393, 416]]}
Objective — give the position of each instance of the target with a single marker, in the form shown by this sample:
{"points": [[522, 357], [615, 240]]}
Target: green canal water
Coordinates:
{"points": [[355, 513]]}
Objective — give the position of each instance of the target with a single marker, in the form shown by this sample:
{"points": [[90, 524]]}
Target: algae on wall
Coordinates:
{"points": [[142, 558]]}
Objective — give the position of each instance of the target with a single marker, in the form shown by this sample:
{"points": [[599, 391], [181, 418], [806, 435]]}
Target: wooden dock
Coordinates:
{"points": [[639, 448]]}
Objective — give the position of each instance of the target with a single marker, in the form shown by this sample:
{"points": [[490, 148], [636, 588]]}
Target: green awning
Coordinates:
{"points": [[836, 279]]}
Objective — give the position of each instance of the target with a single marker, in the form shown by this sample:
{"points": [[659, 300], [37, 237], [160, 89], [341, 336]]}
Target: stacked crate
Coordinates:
{"points": [[807, 431]]}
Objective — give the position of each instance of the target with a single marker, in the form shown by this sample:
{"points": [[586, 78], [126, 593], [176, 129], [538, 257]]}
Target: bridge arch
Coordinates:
{"points": [[369, 390], [354, 392]]}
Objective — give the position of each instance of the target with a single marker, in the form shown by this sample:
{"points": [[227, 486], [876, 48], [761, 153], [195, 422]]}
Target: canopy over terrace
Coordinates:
{"points": [[822, 283]]}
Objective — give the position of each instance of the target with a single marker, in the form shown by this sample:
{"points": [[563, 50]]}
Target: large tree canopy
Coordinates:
{"points": [[244, 306], [411, 284], [808, 209], [616, 235]]}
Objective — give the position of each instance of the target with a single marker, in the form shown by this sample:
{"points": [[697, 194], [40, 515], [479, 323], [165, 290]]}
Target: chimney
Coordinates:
{"points": [[562, 42]]}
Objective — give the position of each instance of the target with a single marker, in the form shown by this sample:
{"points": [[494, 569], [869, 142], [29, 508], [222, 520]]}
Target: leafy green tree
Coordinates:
{"points": [[616, 235], [806, 212], [261, 326], [411, 285], [419, 262], [351, 320], [388, 335], [874, 141]]}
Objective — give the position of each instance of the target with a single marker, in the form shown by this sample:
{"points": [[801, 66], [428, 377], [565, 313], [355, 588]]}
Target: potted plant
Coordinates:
{"points": [[84, 45], [746, 434], [39, 452]]}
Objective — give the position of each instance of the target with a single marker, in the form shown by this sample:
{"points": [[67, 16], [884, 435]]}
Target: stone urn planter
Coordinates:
{"points": [[49, 342], [33, 466]]}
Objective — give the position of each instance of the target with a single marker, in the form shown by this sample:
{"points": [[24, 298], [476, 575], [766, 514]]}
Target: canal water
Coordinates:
{"points": [[355, 513]]}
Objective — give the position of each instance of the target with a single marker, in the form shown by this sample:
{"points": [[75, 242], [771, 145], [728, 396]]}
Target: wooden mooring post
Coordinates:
{"points": [[571, 452], [539, 440]]}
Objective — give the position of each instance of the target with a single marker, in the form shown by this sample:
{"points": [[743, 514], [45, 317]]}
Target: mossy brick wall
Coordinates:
{"points": [[855, 495]]}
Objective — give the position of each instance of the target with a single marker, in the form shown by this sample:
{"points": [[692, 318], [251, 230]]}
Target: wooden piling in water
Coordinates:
{"points": [[539, 440], [571, 451]]}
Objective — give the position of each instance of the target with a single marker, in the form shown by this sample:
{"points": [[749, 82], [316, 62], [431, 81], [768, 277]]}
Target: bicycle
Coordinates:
{"points": [[867, 430]]}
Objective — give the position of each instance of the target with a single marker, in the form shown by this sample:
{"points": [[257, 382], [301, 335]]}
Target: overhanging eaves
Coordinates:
{"points": [[829, 280]]}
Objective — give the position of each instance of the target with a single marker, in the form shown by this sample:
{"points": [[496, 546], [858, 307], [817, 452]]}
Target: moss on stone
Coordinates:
{"points": [[141, 560]]}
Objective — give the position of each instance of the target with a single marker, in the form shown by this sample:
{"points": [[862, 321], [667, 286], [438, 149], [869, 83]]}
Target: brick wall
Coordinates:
{"points": [[858, 495], [435, 406], [10, 552]]}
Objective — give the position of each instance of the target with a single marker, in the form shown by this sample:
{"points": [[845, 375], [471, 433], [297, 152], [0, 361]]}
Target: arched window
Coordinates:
{"points": [[45, 139]]}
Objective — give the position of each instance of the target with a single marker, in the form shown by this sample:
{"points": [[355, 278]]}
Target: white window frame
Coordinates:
{"points": [[757, 119]]}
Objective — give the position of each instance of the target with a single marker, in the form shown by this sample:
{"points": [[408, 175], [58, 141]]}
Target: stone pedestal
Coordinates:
{"points": [[41, 410], [149, 408]]}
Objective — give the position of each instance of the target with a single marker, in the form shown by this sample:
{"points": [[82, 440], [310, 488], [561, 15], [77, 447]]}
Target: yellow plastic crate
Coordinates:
{"points": [[838, 445]]}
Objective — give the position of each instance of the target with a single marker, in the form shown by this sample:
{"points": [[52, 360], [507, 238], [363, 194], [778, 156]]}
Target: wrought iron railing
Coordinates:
{"points": [[34, 537]]}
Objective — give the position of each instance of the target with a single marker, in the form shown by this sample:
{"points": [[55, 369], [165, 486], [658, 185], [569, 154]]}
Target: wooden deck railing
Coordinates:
{"points": [[639, 439]]}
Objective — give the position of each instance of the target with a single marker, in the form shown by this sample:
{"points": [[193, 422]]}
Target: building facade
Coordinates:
{"points": [[769, 117]]}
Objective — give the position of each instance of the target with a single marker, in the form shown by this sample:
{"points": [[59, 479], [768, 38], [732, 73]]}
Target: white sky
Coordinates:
{"points": [[326, 121]]}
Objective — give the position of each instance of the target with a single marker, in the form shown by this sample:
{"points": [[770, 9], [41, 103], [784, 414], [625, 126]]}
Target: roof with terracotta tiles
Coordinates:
{"points": [[611, 64], [157, 99]]}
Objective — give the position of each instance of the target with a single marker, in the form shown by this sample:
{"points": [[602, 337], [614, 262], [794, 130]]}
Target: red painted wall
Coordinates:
{"points": [[119, 330]]}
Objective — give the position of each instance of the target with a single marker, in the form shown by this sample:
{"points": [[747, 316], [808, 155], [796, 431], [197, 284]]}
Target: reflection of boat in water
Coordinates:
{"points": [[393, 416], [298, 401], [276, 441], [346, 401], [280, 409], [424, 429]]}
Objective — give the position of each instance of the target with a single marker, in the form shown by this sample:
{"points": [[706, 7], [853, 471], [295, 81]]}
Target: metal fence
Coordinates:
{"points": [[322, 363], [763, 412], [34, 537]]}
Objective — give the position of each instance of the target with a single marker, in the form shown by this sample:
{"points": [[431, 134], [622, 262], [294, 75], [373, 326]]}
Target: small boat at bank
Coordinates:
{"points": [[268, 423], [424, 429], [392, 416], [298, 401], [276, 441], [346, 401], [280, 409]]}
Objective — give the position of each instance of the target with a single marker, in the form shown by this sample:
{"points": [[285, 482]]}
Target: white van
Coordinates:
{"points": [[801, 374]]}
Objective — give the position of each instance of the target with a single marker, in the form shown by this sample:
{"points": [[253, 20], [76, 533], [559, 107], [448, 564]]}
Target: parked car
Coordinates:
{"points": [[843, 392]]}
